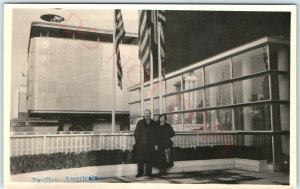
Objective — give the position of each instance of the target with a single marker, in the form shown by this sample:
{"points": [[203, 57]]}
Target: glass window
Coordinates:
{"points": [[281, 115], [217, 72], [194, 119], [135, 109], [250, 62], [253, 118], [148, 93], [156, 106], [173, 103], [147, 105], [174, 119], [279, 57], [250, 90], [174, 85], [193, 100], [280, 87], [219, 120], [134, 120], [218, 96], [193, 79], [135, 95]]}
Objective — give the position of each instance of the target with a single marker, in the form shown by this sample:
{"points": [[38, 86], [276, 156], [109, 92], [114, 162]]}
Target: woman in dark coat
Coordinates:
{"points": [[164, 145]]}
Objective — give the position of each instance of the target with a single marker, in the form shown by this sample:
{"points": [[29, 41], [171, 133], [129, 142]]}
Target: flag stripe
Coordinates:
{"points": [[144, 40], [119, 34], [162, 21]]}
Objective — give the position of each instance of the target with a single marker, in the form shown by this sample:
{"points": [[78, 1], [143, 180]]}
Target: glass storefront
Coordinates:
{"points": [[235, 93]]}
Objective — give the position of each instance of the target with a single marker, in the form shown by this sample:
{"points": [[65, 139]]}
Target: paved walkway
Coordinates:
{"points": [[208, 177]]}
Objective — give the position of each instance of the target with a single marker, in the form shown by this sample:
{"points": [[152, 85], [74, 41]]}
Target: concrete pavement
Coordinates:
{"points": [[230, 176]]}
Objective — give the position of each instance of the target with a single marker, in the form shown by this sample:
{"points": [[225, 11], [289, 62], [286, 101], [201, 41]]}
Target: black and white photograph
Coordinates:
{"points": [[160, 94]]}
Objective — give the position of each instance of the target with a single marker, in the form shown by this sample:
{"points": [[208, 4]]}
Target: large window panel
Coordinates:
{"points": [[217, 72], [173, 103], [135, 109], [281, 87], [134, 120], [250, 62], [281, 116], [174, 85], [135, 95], [174, 119], [253, 118], [156, 106], [193, 79], [280, 57], [218, 95], [219, 120], [251, 90], [194, 119], [193, 100]]}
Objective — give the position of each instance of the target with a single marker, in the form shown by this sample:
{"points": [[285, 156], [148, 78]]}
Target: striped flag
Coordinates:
{"points": [[144, 39], [162, 20], [150, 22], [119, 34]]}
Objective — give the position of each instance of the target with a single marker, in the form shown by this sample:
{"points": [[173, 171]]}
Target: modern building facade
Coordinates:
{"points": [[69, 78], [242, 91]]}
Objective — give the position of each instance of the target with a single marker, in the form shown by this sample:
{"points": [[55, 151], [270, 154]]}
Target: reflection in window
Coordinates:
{"points": [[135, 109], [194, 119], [218, 96], [250, 62], [219, 119], [173, 85], [193, 79], [135, 95], [250, 90], [174, 119], [156, 106], [281, 115], [253, 118], [134, 120], [193, 100], [147, 105], [148, 92], [217, 72], [173, 103], [280, 87], [280, 57]]}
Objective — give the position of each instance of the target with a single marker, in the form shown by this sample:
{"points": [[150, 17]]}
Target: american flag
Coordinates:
{"points": [[119, 34], [144, 39], [150, 22], [162, 20]]}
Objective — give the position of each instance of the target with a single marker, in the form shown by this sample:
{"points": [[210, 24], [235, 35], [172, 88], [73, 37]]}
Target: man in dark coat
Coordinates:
{"points": [[144, 135]]}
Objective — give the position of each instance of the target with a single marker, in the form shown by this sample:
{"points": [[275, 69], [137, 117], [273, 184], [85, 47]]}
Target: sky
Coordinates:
{"points": [[22, 19]]}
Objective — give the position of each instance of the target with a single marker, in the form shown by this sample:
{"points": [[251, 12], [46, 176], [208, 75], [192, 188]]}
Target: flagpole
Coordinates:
{"points": [[142, 90], [159, 70], [151, 83], [151, 72], [141, 77], [113, 115]]}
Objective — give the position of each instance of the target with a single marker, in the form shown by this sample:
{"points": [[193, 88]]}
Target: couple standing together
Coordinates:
{"points": [[153, 144]]}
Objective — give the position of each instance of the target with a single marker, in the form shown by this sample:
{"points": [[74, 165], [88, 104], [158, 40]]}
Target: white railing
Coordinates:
{"points": [[30, 144]]}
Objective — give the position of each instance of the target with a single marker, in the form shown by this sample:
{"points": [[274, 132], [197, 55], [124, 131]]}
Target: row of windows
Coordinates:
{"points": [[245, 91], [245, 64], [247, 118]]}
